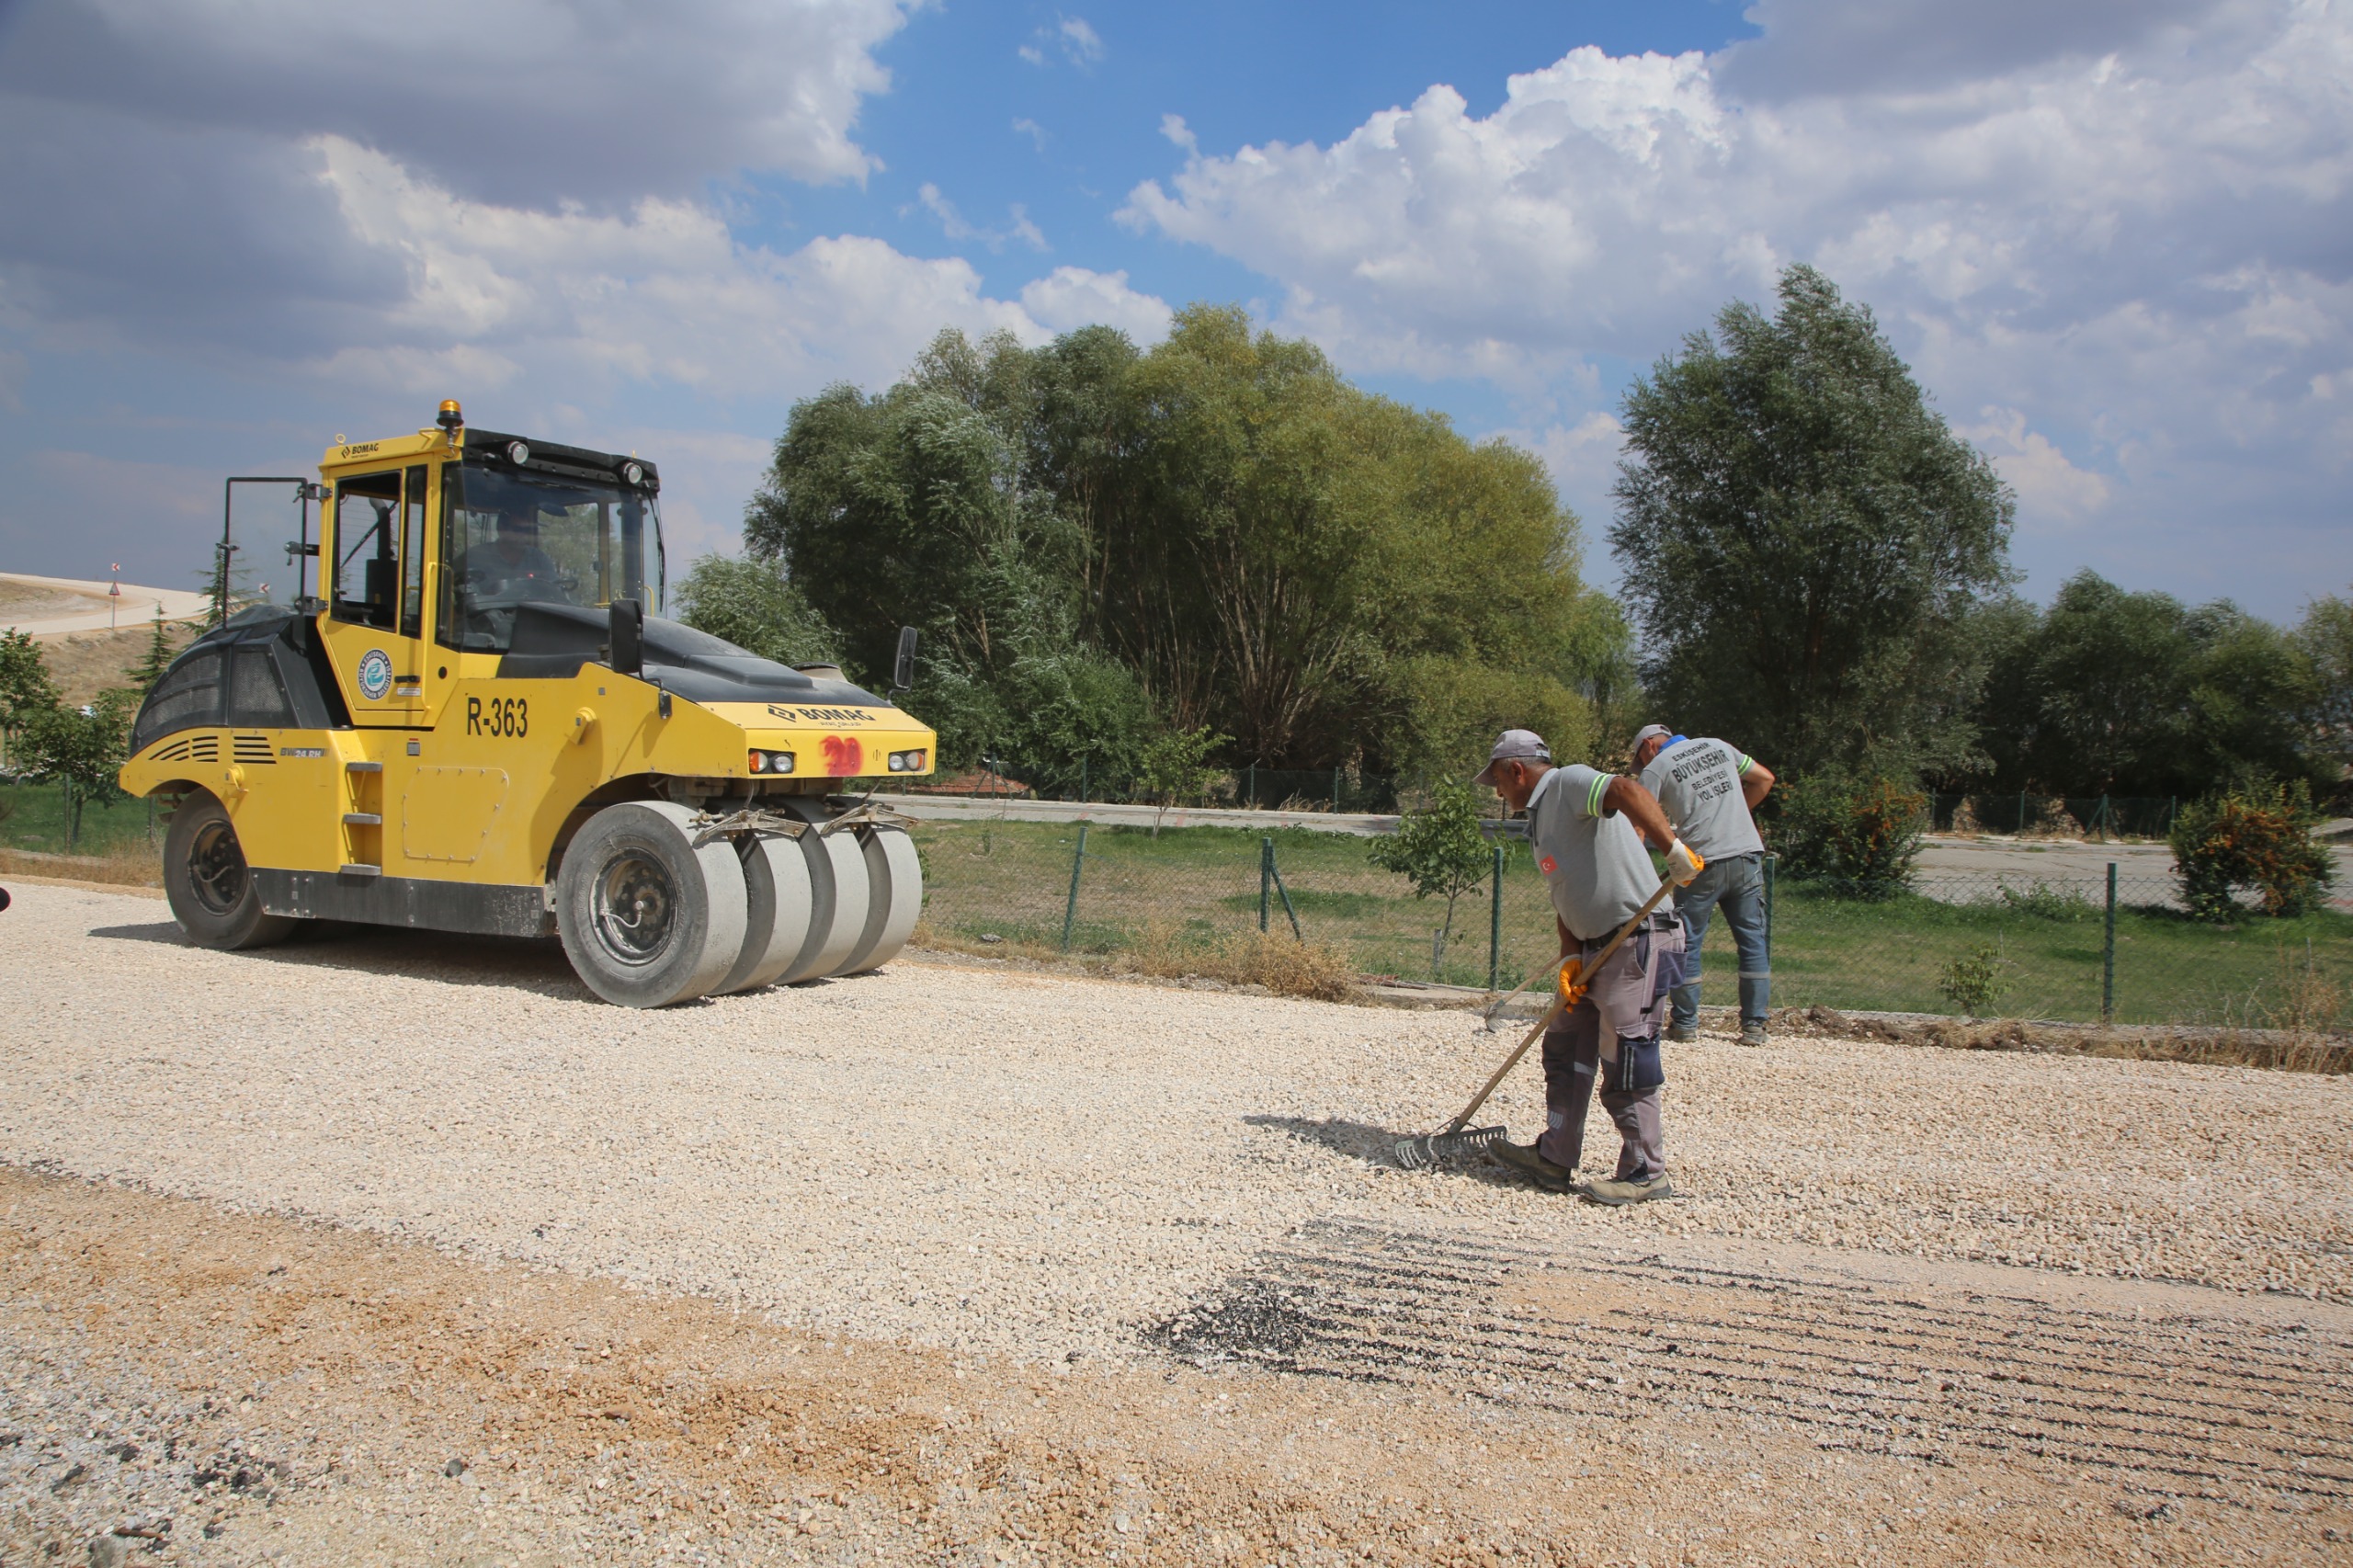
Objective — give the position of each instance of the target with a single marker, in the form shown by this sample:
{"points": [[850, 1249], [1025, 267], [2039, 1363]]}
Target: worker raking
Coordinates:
{"points": [[1587, 830]]}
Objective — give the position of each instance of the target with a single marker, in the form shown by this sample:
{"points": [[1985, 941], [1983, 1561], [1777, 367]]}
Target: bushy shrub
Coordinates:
{"points": [[2255, 837], [1856, 836]]}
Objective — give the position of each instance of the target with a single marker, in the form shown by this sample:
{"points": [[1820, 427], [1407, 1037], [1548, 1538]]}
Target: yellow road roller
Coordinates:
{"points": [[481, 723]]}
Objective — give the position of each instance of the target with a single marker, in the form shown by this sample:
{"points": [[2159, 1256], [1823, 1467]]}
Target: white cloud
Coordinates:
{"points": [[1073, 296], [662, 294], [2050, 490], [2124, 223], [526, 102], [952, 225], [1071, 38], [1025, 126]]}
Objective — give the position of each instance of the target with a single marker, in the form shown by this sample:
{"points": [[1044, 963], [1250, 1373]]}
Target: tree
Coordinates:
{"points": [[26, 690], [2324, 641], [753, 605], [1805, 541], [2116, 692], [1221, 533], [1171, 768], [156, 659], [1440, 851], [81, 750]]}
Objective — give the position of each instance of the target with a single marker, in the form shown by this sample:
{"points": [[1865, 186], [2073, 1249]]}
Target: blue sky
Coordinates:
{"points": [[2113, 236]]}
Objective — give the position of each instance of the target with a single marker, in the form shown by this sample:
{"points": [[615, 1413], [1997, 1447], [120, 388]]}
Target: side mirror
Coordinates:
{"points": [[902, 672], [625, 651]]}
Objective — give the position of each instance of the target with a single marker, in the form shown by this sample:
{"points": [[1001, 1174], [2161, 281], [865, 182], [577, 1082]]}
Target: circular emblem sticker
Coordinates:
{"points": [[375, 674]]}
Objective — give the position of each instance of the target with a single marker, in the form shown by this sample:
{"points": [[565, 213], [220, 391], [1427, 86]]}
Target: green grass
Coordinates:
{"points": [[1012, 879], [2170, 968], [33, 816]]}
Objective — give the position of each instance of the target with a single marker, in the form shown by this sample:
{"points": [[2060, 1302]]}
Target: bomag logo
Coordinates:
{"points": [[362, 449], [824, 715]]}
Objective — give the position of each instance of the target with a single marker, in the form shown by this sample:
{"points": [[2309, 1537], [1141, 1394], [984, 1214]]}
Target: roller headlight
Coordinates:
{"points": [[905, 762], [632, 473], [518, 452]]}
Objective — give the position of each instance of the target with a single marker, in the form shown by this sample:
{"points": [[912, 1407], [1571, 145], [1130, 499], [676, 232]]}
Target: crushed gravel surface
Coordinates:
{"points": [[1024, 1163], [1148, 1218]]}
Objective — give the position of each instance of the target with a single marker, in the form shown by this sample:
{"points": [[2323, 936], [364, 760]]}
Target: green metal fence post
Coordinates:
{"points": [[1250, 782], [1283, 892], [2103, 819], [1496, 924], [1265, 880], [2021, 811], [1335, 788], [1070, 911], [2107, 955], [1082, 780]]}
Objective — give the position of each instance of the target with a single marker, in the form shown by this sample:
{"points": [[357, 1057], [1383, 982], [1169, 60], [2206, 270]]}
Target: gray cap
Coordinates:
{"points": [[1647, 730], [1514, 745]]}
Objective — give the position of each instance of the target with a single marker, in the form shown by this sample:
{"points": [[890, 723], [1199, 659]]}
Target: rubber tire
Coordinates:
{"points": [[838, 895], [245, 924], [894, 894], [776, 914], [707, 930]]}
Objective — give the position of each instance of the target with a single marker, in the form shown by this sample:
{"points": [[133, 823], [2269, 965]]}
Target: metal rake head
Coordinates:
{"points": [[1420, 1154]]}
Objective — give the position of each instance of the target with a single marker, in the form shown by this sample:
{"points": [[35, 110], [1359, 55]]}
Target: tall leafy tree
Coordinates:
{"points": [[2324, 641], [27, 691], [1221, 533], [1806, 542], [81, 750], [2111, 691]]}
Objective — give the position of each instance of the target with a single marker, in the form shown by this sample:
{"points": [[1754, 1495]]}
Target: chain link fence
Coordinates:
{"points": [[2097, 818], [2117, 949]]}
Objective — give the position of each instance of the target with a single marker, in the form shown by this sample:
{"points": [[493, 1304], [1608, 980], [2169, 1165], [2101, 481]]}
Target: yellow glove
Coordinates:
{"points": [[1571, 988], [1683, 864]]}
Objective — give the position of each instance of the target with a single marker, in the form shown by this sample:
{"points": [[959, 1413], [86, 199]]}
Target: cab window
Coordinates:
{"points": [[367, 549], [513, 539]]}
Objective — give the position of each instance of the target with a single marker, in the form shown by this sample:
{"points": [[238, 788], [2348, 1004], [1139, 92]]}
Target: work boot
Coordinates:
{"points": [[1682, 1034], [1632, 1189], [1752, 1032], [1524, 1157]]}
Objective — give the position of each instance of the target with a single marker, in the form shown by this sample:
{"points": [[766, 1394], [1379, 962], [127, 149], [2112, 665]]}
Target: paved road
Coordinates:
{"points": [[76, 604]]}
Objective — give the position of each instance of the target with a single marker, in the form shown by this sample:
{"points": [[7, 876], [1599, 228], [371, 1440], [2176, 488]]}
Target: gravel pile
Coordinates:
{"points": [[981, 1159]]}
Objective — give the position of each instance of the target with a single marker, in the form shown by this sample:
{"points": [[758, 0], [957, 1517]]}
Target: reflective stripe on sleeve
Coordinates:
{"points": [[1746, 761], [1593, 797]]}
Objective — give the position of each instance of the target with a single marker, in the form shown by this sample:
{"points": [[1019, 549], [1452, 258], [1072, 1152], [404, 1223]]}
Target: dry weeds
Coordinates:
{"points": [[130, 865], [2328, 1050]]}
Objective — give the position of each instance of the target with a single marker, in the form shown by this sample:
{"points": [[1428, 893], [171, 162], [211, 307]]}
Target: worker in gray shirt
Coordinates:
{"points": [[1587, 830], [1709, 789]]}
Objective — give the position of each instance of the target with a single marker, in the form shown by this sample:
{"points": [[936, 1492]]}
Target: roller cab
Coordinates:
{"points": [[483, 722]]}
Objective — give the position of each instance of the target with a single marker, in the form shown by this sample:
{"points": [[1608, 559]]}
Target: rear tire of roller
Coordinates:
{"points": [[207, 883]]}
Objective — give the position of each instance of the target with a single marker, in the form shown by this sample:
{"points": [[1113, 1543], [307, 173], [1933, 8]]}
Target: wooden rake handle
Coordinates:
{"points": [[1603, 957]]}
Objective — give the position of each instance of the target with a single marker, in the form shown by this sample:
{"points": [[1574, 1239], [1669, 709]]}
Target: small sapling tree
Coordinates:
{"points": [[1441, 852], [1171, 768]]}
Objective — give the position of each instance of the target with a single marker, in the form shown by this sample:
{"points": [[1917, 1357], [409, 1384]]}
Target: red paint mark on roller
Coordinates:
{"points": [[842, 756]]}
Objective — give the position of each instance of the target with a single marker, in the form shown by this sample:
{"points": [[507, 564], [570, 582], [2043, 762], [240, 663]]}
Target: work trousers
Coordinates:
{"points": [[1735, 885], [1612, 1034]]}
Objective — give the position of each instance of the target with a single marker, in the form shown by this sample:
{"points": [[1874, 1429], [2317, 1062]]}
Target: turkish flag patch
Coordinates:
{"points": [[1548, 865]]}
